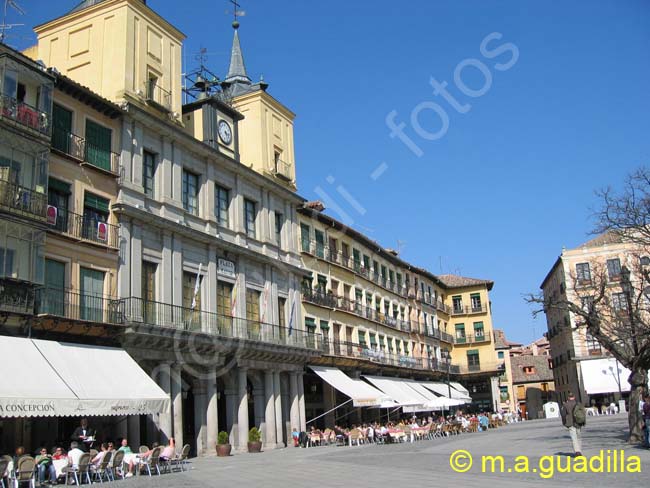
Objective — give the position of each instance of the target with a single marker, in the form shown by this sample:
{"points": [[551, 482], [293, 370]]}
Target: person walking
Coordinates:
{"points": [[574, 418]]}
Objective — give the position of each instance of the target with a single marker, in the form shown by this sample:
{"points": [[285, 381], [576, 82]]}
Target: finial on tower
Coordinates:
{"points": [[236, 13]]}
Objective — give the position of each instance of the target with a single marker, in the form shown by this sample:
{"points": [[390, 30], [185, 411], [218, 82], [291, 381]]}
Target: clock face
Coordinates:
{"points": [[225, 132]]}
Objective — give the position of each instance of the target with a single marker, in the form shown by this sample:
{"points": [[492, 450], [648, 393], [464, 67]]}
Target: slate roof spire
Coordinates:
{"points": [[237, 72]]}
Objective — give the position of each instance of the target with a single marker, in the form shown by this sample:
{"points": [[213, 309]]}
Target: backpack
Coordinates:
{"points": [[579, 414]]}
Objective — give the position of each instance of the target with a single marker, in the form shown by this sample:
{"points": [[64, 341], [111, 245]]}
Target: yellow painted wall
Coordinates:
{"points": [[267, 127], [112, 47]]}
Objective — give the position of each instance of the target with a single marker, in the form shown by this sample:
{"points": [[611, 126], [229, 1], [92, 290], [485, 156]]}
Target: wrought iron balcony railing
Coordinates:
{"points": [[24, 114], [282, 169], [21, 200], [65, 303], [468, 310], [164, 315], [16, 296], [157, 95], [80, 149], [85, 228], [472, 338]]}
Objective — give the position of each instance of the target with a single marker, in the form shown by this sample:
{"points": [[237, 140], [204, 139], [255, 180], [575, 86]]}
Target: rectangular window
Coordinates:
{"points": [[500, 354], [366, 263], [479, 333], [222, 205], [321, 287], [460, 333], [98, 145], [593, 346], [58, 194], [189, 284], [362, 338], [191, 192], [250, 211], [457, 302], [148, 172], [54, 301], [253, 313], [282, 304], [279, 222], [356, 257], [345, 253], [62, 129], [475, 300], [305, 237], [148, 292], [96, 210], [320, 244], [384, 272], [92, 294], [614, 269], [224, 307], [473, 361], [619, 302], [399, 281], [583, 273]]}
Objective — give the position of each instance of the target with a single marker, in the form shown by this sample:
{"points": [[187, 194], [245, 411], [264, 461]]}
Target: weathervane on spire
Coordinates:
{"points": [[236, 13]]}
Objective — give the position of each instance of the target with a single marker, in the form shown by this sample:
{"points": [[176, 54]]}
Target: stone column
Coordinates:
{"points": [[177, 403], [133, 426], [164, 418], [212, 420], [270, 434], [277, 396], [242, 412], [123, 281], [301, 400], [200, 420], [259, 411], [231, 415], [294, 401]]}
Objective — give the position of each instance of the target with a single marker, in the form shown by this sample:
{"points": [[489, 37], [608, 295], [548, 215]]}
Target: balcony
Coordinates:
{"points": [[156, 95], [441, 307], [166, 316], [471, 339], [21, 200], [373, 354], [321, 251], [86, 229], [16, 296], [282, 170], [73, 305], [78, 148], [460, 310], [24, 114], [336, 302]]}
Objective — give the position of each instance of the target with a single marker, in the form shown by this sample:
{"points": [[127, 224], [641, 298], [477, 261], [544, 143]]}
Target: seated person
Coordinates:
{"points": [[74, 454], [45, 466], [129, 456], [99, 457], [295, 435], [169, 451]]}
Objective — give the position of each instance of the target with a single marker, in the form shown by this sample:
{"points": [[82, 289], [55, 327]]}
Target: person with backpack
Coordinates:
{"points": [[574, 417]]}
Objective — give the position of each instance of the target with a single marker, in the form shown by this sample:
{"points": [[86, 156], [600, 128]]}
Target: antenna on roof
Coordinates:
{"points": [[400, 245], [4, 26]]}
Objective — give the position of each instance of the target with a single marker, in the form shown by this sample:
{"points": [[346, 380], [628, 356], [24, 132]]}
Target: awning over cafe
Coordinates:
{"points": [[55, 379], [361, 393], [604, 376], [444, 390], [459, 392], [402, 393]]}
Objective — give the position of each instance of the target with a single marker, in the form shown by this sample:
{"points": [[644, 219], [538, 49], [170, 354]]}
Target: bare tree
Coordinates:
{"points": [[614, 308]]}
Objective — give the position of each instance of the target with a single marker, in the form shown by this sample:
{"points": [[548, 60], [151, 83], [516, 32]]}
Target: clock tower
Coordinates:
{"points": [[266, 131]]}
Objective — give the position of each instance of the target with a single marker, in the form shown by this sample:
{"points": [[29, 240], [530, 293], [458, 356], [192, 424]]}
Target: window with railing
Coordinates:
{"points": [[457, 304], [475, 300], [320, 243], [473, 360], [460, 333], [479, 332], [26, 96], [305, 237]]}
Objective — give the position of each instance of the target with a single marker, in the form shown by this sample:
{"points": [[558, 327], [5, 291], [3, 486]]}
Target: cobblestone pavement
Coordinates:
{"points": [[424, 463]]}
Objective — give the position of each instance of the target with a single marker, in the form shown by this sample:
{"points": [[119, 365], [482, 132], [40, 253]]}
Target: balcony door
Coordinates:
{"points": [[58, 194], [149, 292], [91, 302], [61, 129], [53, 300], [98, 145]]}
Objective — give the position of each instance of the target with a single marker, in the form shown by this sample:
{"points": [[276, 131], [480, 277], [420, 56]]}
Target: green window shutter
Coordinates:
{"points": [[310, 323], [95, 202], [460, 326], [362, 338], [61, 128], [98, 145], [324, 325], [59, 186], [472, 352], [373, 340]]}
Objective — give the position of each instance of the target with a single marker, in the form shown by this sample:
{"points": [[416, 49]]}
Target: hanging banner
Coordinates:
{"points": [[52, 214], [102, 231]]}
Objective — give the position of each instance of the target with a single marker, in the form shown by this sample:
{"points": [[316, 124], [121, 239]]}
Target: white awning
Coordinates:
{"points": [[461, 392], [361, 393], [403, 394], [443, 390], [434, 402], [604, 376], [55, 379]]}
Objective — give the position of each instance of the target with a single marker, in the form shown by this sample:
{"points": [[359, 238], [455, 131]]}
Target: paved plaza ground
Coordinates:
{"points": [[424, 463]]}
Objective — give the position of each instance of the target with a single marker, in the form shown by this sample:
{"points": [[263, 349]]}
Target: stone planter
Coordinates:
{"points": [[223, 450], [254, 447]]}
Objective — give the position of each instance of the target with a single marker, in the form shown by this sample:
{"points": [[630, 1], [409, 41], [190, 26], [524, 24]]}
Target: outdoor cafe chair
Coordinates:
{"points": [[80, 472], [115, 467], [181, 459], [25, 472], [102, 470], [355, 437], [152, 462], [143, 449]]}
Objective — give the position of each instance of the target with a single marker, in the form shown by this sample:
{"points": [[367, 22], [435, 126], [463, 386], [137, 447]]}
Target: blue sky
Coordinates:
{"points": [[509, 182]]}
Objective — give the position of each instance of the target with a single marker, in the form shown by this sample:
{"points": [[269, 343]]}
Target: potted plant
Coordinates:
{"points": [[223, 444], [254, 440]]}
